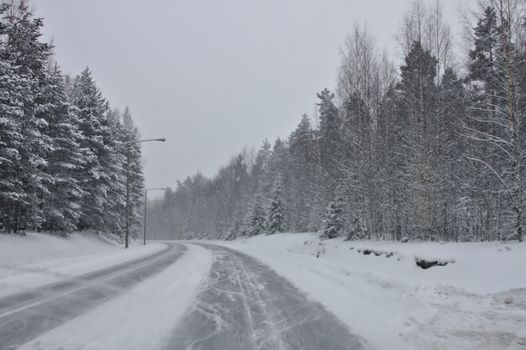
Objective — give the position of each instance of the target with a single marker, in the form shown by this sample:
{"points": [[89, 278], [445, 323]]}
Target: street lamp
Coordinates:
{"points": [[146, 204], [128, 144]]}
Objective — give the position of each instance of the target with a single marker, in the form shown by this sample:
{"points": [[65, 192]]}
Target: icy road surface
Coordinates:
{"points": [[25, 315], [181, 296], [246, 305]]}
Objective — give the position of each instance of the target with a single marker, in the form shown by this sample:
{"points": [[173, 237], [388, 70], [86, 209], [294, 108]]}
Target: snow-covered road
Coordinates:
{"points": [[25, 315], [183, 296], [286, 291], [246, 305]]}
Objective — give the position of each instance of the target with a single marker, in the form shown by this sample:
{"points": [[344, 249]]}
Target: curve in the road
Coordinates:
{"points": [[246, 305], [26, 315]]}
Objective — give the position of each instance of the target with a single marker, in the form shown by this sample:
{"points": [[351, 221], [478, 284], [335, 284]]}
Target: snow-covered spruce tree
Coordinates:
{"points": [[330, 143], [135, 175], [92, 111], [418, 102], [451, 112], [11, 138], [254, 222], [29, 57], [498, 112], [356, 230], [11, 188], [259, 172], [275, 210], [304, 169], [113, 181], [332, 225], [391, 127], [233, 232], [482, 87], [61, 204]]}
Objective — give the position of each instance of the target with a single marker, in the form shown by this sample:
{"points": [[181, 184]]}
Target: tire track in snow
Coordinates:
{"points": [[246, 305]]}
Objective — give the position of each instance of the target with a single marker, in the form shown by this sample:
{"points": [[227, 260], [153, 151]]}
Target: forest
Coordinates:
{"points": [[68, 161], [429, 149]]}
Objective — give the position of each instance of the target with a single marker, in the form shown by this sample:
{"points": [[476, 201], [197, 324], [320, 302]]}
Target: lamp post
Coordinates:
{"points": [[128, 155], [146, 204]]}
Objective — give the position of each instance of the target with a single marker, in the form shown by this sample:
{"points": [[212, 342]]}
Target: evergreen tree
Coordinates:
{"points": [[29, 57], [494, 128], [61, 157], [11, 138], [275, 211], [112, 182], [65, 160], [482, 67], [418, 102], [451, 111], [332, 224], [425, 154], [136, 177], [255, 218], [392, 126], [92, 109], [330, 142], [304, 170], [260, 172]]}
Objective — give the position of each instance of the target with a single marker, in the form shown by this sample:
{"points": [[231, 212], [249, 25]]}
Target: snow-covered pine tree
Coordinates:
{"points": [[304, 170], [497, 114], [29, 57], [61, 205], [418, 103], [254, 222], [331, 145], [135, 175], [391, 127], [92, 111], [260, 174], [451, 111], [233, 231], [332, 224], [11, 138], [482, 82], [113, 161], [275, 211]]}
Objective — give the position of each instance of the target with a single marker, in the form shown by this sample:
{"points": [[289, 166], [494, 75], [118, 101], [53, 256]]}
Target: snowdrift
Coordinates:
{"points": [[473, 296]]}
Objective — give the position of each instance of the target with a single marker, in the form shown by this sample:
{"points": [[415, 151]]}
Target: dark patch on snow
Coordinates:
{"points": [[375, 252], [426, 264]]}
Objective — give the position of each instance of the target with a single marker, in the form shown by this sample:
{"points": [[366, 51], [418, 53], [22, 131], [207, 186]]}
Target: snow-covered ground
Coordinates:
{"points": [[142, 319], [38, 259], [476, 301]]}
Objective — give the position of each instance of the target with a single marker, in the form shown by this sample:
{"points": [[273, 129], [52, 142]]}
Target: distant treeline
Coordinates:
{"points": [[64, 154], [434, 150]]}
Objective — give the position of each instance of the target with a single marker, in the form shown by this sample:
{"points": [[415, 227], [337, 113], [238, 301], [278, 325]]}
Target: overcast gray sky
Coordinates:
{"points": [[213, 76]]}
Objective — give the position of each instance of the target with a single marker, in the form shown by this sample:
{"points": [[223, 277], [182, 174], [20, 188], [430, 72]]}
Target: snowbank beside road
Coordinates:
{"points": [[478, 300], [143, 318], [35, 247], [478, 267], [38, 259]]}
